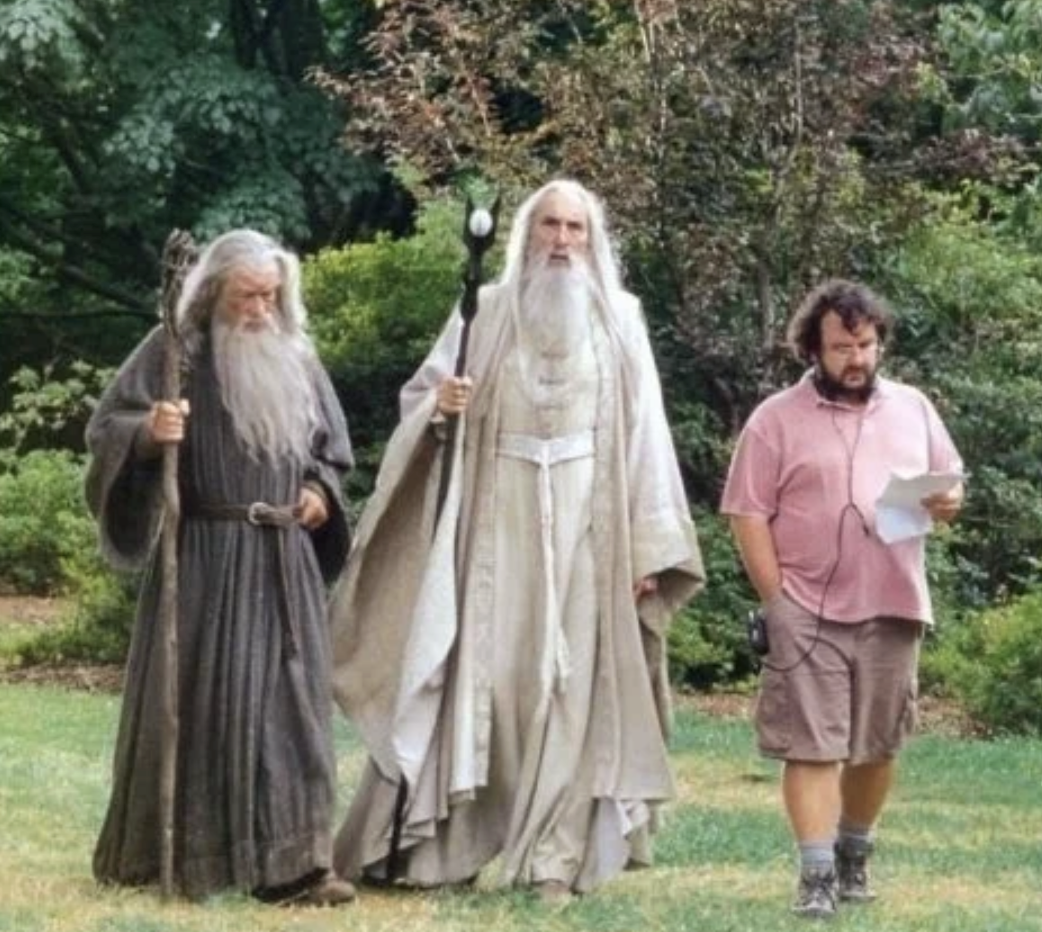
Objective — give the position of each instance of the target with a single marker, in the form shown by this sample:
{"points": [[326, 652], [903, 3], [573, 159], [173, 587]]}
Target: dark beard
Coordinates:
{"points": [[834, 390]]}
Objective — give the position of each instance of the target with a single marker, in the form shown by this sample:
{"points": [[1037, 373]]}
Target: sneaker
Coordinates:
{"points": [[816, 894], [852, 870]]}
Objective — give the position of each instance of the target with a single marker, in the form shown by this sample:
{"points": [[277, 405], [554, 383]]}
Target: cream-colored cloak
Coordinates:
{"points": [[433, 638]]}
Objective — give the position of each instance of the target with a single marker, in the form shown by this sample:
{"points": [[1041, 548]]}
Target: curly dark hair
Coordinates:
{"points": [[855, 304]]}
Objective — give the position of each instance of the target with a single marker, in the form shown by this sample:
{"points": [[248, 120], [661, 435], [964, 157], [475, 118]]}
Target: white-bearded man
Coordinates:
{"points": [[263, 446], [506, 666]]}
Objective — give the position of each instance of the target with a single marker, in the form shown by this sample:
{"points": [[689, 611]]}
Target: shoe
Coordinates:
{"points": [[852, 871], [329, 890], [553, 892], [816, 894]]}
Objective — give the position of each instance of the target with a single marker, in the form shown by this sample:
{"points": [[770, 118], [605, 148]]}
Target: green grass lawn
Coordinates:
{"points": [[960, 849]]}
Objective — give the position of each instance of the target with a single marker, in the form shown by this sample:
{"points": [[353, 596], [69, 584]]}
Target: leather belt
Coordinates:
{"points": [[256, 513]]}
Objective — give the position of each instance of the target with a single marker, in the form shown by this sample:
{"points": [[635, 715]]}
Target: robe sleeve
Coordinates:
{"points": [[332, 457], [439, 365], [662, 533], [123, 489]]}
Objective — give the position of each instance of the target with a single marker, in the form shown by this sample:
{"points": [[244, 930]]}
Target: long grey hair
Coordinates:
{"points": [[264, 378]]}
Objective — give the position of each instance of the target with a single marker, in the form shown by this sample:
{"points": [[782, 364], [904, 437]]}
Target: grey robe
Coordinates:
{"points": [[564, 786], [255, 775]]}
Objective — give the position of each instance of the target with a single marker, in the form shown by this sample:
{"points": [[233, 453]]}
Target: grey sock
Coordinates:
{"points": [[817, 856], [857, 839]]}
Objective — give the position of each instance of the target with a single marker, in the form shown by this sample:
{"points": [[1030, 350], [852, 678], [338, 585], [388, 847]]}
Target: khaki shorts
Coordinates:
{"points": [[836, 691]]}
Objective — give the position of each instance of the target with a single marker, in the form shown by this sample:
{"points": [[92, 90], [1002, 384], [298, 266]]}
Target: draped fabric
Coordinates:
{"points": [[255, 772], [497, 661]]}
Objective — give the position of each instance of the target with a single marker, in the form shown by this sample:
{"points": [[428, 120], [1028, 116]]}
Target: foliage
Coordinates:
{"points": [[994, 66], [969, 294], [46, 411], [744, 149], [48, 541], [707, 641], [122, 120], [375, 309], [43, 522], [99, 629], [998, 670]]}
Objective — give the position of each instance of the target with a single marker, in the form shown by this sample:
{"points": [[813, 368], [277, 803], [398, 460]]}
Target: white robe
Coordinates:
{"points": [[528, 719]]}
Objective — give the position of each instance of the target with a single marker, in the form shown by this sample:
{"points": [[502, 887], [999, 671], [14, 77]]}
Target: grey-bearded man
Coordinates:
{"points": [[263, 446], [506, 664]]}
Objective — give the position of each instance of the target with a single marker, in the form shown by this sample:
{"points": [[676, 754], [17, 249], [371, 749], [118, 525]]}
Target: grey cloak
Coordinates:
{"points": [[255, 764], [419, 618]]}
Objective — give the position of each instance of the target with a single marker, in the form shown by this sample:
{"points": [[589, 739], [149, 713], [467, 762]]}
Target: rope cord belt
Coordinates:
{"points": [[545, 453]]}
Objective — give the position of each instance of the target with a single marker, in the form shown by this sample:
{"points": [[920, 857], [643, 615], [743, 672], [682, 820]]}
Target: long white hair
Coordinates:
{"points": [[603, 262], [604, 274]]}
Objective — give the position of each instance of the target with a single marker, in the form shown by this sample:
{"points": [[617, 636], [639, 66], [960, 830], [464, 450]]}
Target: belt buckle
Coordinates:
{"points": [[253, 513]]}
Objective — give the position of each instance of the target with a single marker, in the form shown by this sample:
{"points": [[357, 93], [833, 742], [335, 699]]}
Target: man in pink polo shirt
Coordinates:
{"points": [[844, 611]]}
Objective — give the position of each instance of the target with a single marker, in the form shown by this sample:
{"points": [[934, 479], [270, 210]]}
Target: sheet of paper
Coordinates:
{"points": [[899, 514]]}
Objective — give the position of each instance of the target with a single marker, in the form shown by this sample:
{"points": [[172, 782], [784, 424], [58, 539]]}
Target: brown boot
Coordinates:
{"points": [[329, 891]]}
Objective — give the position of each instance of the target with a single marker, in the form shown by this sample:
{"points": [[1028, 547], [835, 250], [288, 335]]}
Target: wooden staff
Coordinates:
{"points": [[179, 253]]}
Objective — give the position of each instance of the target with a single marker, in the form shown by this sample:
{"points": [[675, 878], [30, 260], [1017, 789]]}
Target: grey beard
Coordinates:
{"points": [[266, 389], [555, 309]]}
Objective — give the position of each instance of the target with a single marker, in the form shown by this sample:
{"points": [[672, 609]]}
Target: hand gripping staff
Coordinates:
{"points": [[479, 232], [179, 253]]}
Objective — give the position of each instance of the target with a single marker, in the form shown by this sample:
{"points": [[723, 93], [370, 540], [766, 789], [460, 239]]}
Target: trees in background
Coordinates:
{"points": [[746, 150], [122, 119]]}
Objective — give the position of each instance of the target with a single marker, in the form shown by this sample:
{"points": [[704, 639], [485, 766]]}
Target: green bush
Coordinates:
{"points": [[98, 630], [48, 546], [967, 287], [43, 521], [707, 642], [998, 674], [375, 310]]}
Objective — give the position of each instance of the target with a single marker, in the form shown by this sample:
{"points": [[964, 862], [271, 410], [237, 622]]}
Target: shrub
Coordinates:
{"points": [[707, 643], [1000, 676], [375, 309], [43, 521], [48, 546], [98, 630]]}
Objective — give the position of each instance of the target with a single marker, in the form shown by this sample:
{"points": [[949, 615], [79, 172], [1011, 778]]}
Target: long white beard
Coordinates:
{"points": [[554, 325], [265, 388], [555, 308]]}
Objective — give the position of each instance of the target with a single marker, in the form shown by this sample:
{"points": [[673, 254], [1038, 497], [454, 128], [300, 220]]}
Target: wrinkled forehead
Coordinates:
{"points": [[262, 275], [560, 205]]}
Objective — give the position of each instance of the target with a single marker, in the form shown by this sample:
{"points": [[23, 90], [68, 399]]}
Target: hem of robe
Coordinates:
{"points": [[619, 838], [245, 867]]}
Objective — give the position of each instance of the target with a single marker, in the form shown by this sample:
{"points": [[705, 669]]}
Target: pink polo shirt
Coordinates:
{"points": [[814, 469]]}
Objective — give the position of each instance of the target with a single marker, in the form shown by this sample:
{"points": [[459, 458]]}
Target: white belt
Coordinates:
{"points": [[546, 453]]}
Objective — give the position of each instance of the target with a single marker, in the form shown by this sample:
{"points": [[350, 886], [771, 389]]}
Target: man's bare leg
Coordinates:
{"points": [[864, 789], [811, 792]]}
